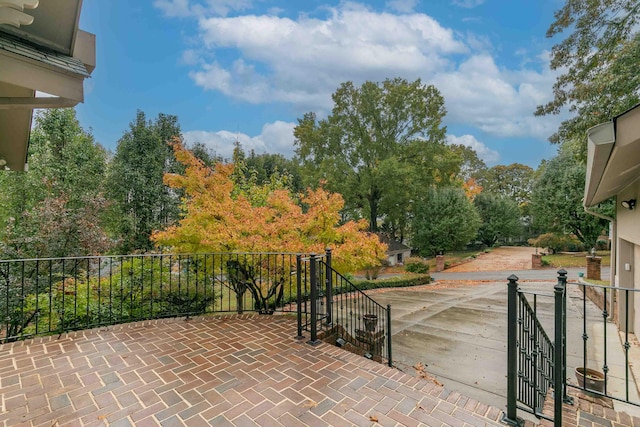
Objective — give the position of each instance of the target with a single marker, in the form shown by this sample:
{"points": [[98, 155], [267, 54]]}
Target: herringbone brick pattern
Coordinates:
{"points": [[217, 371]]}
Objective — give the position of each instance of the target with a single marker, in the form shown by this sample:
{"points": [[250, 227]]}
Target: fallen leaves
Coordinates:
{"points": [[422, 373], [310, 404]]}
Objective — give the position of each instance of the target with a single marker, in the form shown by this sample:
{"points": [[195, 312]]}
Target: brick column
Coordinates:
{"points": [[593, 267], [536, 261], [439, 263]]}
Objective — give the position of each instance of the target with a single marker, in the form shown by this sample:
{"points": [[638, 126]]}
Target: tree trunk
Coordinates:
{"points": [[373, 215]]}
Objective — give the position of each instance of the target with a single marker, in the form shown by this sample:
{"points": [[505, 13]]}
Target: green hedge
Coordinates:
{"points": [[394, 282]]}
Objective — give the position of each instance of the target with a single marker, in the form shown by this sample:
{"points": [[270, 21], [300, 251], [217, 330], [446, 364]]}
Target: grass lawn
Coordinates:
{"points": [[565, 260]]}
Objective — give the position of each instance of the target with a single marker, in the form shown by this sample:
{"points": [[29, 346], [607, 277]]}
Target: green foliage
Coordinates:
{"points": [[557, 242], [513, 181], [56, 208], [598, 59], [381, 145], [471, 167], [445, 220], [394, 282], [205, 154], [557, 200], [141, 201], [267, 166], [500, 218], [416, 265], [137, 290]]}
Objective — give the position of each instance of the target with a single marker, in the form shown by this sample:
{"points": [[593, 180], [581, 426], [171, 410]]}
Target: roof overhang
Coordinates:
{"points": [[613, 157], [46, 55], [54, 23]]}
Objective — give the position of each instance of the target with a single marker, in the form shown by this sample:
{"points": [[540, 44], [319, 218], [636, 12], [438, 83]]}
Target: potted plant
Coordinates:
{"points": [[594, 380]]}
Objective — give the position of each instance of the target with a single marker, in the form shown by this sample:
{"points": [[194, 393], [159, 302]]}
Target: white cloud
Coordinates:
{"points": [[304, 60], [484, 152], [185, 8], [498, 102], [276, 137], [467, 4], [261, 59], [402, 6], [190, 57]]}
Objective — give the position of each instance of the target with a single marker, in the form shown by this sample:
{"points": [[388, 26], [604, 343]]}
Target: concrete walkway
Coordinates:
{"points": [[212, 371]]}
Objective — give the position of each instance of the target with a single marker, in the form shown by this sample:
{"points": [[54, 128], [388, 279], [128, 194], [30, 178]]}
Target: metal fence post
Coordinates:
{"points": [[562, 278], [329, 287], [558, 362], [299, 295], [313, 267], [511, 418], [389, 358]]}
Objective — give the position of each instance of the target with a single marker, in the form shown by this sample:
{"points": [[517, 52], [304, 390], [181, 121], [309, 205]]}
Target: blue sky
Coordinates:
{"points": [[248, 69]]}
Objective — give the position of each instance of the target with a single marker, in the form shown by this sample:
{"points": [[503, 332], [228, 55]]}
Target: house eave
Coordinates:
{"points": [[613, 157]]}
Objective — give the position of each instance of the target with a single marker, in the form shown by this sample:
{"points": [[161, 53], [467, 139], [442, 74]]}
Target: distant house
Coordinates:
{"points": [[44, 59], [613, 170], [397, 253]]}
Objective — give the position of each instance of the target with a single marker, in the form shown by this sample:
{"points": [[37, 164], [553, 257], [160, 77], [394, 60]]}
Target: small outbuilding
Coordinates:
{"points": [[397, 252]]}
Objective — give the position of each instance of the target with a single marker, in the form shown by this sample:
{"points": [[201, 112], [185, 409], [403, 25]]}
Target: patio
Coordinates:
{"points": [[234, 370]]}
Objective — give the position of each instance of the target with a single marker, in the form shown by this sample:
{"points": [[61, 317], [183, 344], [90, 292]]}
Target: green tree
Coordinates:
{"points": [[444, 220], [381, 146], [513, 181], [471, 167], [141, 201], [56, 208], [599, 61], [267, 165], [557, 200], [500, 218], [208, 156]]}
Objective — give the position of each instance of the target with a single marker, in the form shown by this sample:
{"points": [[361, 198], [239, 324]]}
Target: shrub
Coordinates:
{"points": [[132, 293], [557, 242], [393, 282], [416, 265]]}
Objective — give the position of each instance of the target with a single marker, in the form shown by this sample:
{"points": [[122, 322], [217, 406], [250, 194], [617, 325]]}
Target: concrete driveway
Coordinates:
{"points": [[457, 327], [457, 330]]}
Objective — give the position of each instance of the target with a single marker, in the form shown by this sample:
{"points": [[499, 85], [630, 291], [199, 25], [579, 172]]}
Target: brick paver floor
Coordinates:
{"points": [[217, 371]]}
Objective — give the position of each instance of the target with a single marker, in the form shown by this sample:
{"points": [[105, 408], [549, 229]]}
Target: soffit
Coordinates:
{"points": [[15, 125], [55, 23], [613, 165]]}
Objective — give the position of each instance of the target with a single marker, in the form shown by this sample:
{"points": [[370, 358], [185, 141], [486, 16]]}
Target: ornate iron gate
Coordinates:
{"points": [[535, 357]]}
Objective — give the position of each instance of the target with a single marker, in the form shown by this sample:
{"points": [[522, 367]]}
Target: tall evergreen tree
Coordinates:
{"points": [[56, 208], [141, 201]]}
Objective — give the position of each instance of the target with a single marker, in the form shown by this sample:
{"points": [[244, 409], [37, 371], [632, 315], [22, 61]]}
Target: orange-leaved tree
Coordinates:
{"points": [[218, 218]]}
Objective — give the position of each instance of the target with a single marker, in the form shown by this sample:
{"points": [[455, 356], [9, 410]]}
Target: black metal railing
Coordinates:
{"points": [[331, 306], [54, 295], [533, 359], [530, 355], [602, 306], [535, 356]]}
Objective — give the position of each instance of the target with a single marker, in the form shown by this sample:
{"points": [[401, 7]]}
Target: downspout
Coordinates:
{"points": [[614, 262]]}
